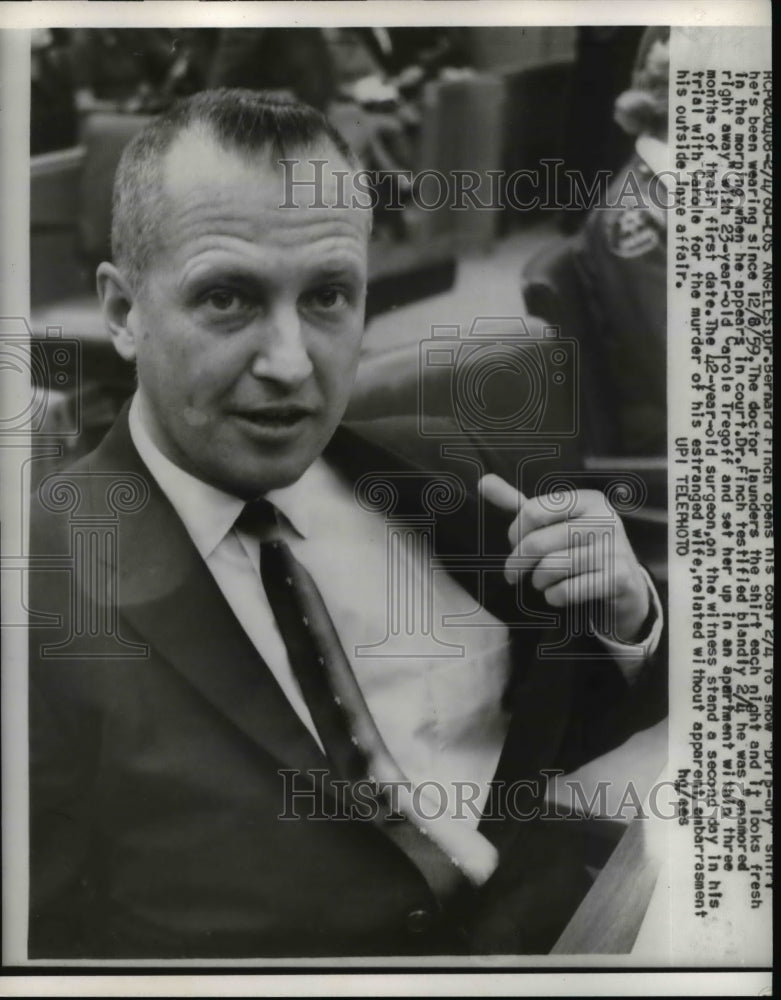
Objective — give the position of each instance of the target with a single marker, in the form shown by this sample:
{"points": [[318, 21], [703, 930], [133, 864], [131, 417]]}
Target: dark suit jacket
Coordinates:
{"points": [[158, 734]]}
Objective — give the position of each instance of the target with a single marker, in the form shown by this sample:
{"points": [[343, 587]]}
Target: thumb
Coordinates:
{"points": [[499, 492]]}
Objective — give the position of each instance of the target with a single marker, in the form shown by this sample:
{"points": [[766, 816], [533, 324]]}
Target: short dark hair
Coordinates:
{"points": [[247, 121]]}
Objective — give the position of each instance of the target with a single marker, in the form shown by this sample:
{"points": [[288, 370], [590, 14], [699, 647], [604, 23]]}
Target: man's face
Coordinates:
{"points": [[248, 325]]}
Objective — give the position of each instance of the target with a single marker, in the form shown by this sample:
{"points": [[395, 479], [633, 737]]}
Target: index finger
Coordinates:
{"points": [[501, 493]]}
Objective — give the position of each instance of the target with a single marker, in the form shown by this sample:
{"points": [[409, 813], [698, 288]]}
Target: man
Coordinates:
{"points": [[177, 714]]}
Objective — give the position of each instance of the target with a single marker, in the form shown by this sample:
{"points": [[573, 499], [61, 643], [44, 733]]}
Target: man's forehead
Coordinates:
{"points": [[317, 175]]}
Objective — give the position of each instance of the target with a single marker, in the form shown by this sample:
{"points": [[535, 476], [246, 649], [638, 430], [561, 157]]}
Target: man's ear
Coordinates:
{"points": [[116, 301]]}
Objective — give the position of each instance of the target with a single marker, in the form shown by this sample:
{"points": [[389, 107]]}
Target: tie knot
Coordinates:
{"points": [[259, 518]]}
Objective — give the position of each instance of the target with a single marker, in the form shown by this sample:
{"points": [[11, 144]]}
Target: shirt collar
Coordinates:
{"points": [[209, 513], [293, 501]]}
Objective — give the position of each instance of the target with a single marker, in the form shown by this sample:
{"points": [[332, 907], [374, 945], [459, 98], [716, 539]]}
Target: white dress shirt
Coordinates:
{"points": [[440, 716]]}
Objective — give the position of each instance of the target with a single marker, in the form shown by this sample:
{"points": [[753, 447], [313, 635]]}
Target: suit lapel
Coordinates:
{"points": [[172, 601]]}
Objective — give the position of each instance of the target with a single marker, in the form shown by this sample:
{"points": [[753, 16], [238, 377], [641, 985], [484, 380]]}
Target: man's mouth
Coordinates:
{"points": [[274, 418]]}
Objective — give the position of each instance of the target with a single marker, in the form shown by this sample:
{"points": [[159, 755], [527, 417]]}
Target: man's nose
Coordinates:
{"points": [[281, 354]]}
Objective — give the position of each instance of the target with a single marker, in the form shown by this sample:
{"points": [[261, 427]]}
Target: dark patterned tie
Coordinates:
{"points": [[346, 728], [309, 638]]}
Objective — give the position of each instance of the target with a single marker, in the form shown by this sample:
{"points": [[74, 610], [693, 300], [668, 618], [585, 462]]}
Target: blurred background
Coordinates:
{"points": [[480, 99]]}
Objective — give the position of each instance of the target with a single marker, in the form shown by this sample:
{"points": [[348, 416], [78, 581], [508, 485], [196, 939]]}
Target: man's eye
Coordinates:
{"points": [[329, 297], [225, 300]]}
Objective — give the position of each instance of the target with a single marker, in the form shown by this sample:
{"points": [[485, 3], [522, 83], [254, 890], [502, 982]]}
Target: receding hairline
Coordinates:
{"points": [[322, 148], [157, 194], [139, 190]]}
